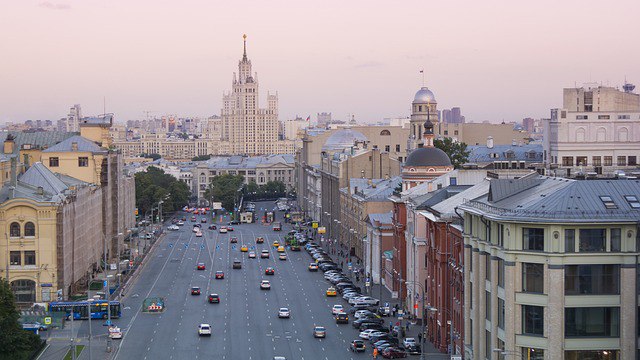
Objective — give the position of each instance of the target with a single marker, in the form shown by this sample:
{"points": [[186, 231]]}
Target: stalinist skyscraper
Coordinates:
{"points": [[247, 128]]}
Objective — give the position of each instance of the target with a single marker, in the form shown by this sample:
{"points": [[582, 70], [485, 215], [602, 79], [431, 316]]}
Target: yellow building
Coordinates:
{"points": [[77, 157]]}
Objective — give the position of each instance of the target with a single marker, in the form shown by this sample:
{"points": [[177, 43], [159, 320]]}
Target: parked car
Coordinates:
{"points": [[357, 346]]}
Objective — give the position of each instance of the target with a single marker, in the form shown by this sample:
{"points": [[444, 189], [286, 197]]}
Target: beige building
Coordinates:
{"points": [[477, 133], [550, 269], [596, 132]]}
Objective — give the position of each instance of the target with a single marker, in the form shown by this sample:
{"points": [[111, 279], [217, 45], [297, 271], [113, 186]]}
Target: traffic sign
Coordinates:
{"points": [[47, 320], [202, 246], [170, 245], [217, 247], [367, 284]]}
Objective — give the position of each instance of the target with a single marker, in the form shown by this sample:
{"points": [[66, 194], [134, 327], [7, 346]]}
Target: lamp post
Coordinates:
{"points": [[422, 336], [108, 312]]}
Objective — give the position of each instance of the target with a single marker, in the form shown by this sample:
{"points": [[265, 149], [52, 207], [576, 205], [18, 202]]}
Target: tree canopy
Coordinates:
{"points": [[153, 186], [201, 158], [270, 190], [14, 342], [457, 151], [152, 156], [224, 189]]}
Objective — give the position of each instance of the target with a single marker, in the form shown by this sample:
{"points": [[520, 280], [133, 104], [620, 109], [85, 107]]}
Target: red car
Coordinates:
{"points": [[393, 353], [195, 212], [195, 290], [201, 266], [214, 298], [219, 275], [229, 228], [269, 271]]}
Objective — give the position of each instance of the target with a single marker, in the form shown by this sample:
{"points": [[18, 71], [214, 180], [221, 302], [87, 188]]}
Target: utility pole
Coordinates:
{"points": [[89, 311], [72, 341]]}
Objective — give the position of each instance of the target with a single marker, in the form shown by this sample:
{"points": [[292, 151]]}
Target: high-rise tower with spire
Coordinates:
{"points": [[246, 128]]}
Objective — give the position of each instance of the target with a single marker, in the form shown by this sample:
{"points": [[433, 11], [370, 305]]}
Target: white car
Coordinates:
{"points": [[173, 227], [284, 313], [265, 285], [252, 254], [366, 334], [180, 223], [223, 230], [199, 234], [409, 342], [337, 309], [360, 313], [364, 300], [204, 330]]}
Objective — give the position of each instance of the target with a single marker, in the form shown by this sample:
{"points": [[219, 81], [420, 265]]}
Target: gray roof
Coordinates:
{"points": [[428, 156], [441, 195], [562, 200], [54, 186], [481, 154], [84, 145], [248, 162], [380, 189], [343, 139], [446, 208], [385, 219], [39, 175], [37, 140], [503, 188]]}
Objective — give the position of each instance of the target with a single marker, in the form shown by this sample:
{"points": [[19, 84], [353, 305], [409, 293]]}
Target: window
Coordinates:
{"points": [[624, 117], [615, 240], [592, 279], [387, 148], [29, 257], [570, 240], [397, 147], [581, 160], [591, 354], [608, 160], [532, 320], [582, 117], [597, 160], [83, 161], [487, 299], [533, 239], [567, 161], [622, 161], [501, 273], [14, 258], [500, 235], [54, 162], [446, 132], [633, 201], [487, 267], [487, 344], [14, 229], [455, 132], [29, 229], [592, 322], [533, 354], [592, 240], [608, 202], [501, 313], [632, 161], [453, 180], [533, 278], [603, 117]]}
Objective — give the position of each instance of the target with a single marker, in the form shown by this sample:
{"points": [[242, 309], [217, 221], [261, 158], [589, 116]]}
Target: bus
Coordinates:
{"points": [[98, 309], [277, 226]]}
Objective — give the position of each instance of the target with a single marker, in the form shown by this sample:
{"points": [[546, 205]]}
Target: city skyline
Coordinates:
{"points": [[171, 59]]}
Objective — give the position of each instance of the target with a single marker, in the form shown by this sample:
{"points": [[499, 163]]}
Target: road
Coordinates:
{"points": [[245, 324]]}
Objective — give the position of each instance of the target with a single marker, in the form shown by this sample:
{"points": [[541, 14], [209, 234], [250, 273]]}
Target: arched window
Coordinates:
{"points": [[29, 229], [601, 135], [24, 290], [623, 134], [580, 135], [385, 133], [14, 229]]}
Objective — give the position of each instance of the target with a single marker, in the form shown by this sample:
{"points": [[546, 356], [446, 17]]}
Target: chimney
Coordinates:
{"points": [[490, 142], [9, 144], [40, 190], [14, 171], [513, 142], [74, 146]]}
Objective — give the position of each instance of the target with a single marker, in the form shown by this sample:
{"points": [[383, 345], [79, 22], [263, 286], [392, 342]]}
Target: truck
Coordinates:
{"points": [[277, 226]]}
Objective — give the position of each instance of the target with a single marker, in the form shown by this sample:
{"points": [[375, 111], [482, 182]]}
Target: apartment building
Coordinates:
{"points": [[550, 269]]}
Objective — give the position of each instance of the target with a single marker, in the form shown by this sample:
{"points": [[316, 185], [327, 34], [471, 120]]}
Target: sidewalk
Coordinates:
{"points": [[380, 292]]}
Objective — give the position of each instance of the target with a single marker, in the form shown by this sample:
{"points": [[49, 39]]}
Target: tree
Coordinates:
{"points": [[224, 189], [457, 151], [201, 158], [153, 156], [153, 186], [14, 342]]}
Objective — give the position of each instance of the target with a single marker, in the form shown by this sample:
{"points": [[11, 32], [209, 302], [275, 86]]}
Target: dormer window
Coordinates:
{"points": [[633, 201], [608, 202]]}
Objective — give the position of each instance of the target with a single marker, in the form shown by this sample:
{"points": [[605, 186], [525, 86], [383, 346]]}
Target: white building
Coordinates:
{"points": [[596, 131], [292, 127]]}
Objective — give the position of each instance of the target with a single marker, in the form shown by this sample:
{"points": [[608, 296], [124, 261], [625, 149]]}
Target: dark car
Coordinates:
{"points": [[393, 353], [214, 298], [269, 271], [195, 290], [412, 349], [359, 322], [371, 325], [229, 228], [386, 336], [357, 346], [233, 240], [237, 264], [203, 220], [219, 275], [342, 318], [213, 227]]}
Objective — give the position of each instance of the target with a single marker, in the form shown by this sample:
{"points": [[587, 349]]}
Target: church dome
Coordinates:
{"points": [[343, 139], [428, 156], [424, 95]]}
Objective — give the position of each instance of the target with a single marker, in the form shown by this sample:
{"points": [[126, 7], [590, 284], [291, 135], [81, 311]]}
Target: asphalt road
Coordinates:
{"points": [[245, 324]]}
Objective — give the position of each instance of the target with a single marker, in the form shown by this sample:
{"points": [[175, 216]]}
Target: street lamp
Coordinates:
{"points": [[422, 335]]}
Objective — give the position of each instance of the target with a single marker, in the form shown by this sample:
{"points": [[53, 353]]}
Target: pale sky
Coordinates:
{"points": [[497, 60]]}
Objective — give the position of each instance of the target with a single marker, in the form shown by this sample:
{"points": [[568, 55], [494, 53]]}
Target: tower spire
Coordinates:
{"points": [[244, 55]]}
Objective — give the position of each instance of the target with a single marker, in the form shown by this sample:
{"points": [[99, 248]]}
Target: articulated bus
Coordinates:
{"points": [[80, 309]]}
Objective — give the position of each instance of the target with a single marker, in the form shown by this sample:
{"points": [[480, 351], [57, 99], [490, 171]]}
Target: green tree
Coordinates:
{"points": [[201, 158], [457, 151], [15, 343], [153, 156], [154, 185], [224, 189]]}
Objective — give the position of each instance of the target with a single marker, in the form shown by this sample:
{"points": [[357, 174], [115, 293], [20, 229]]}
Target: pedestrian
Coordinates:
{"points": [[375, 353], [407, 326], [390, 326], [420, 337]]}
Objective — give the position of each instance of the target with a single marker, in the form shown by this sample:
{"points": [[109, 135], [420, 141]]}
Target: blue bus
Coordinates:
{"points": [[80, 309]]}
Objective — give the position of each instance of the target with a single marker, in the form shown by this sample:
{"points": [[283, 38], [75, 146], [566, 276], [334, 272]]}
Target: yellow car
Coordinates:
{"points": [[276, 244], [280, 249], [331, 291], [244, 248]]}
